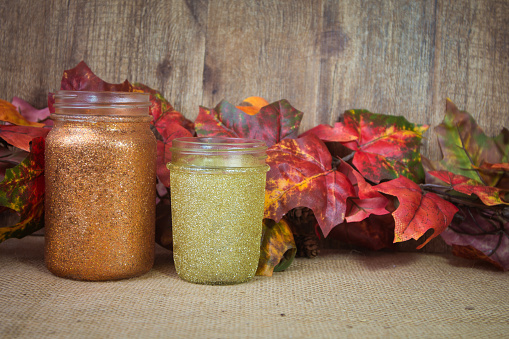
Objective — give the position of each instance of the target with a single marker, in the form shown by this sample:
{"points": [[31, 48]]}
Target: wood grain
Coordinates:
{"points": [[397, 57]]}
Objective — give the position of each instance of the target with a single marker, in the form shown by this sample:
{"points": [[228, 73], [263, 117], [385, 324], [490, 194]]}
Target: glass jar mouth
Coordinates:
{"points": [[217, 152], [101, 103], [199, 145]]}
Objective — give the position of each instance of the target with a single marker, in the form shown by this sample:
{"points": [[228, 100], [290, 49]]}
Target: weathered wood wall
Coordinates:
{"points": [[394, 56]]}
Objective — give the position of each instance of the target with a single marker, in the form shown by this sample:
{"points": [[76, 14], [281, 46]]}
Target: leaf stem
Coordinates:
{"points": [[441, 191], [348, 157]]}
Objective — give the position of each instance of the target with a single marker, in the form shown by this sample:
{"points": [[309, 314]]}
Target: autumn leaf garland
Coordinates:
{"points": [[371, 193]]}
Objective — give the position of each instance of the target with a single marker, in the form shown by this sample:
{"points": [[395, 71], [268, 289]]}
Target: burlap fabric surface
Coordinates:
{"points": [[340, 294]]}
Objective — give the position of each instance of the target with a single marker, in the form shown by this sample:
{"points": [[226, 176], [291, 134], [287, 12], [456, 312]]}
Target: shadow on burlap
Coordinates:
{"points": [[339, 294]]}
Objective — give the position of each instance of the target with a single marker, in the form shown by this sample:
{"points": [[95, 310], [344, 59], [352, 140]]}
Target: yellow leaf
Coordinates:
{"points": [[9, 113]]}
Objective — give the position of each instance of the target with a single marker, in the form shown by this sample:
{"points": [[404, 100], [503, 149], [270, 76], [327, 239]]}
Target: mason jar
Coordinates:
{"points": [[100, 163], [217, 201]]}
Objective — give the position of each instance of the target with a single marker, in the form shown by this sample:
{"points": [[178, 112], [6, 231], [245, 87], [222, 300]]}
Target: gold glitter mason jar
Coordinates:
{"points": [[217, 201], [100, 186]]}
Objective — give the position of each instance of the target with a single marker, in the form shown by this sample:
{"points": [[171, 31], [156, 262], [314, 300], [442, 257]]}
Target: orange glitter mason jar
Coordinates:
{"points": [[100, 186]]}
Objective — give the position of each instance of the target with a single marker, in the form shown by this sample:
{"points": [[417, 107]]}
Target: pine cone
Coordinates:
{"points": [[302, 221], [307, 245]]}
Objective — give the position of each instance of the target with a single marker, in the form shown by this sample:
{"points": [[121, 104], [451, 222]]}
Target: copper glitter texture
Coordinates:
{"points": [[100, 186], [217, 200]]}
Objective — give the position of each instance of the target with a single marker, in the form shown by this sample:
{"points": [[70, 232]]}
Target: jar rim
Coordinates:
{"points": [[101, 103], [217, 144]]}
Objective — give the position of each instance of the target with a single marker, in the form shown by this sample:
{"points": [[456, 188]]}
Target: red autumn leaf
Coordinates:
{"points": [[374, 233], [504, 167], [483, 231], [273, 123], [169, 124], [32, 114], [22, 190], [490, 196], [163, 112], [21, 136], [9, 113], [386, 147], [465, 147], [418, 212], [81, 78], [338, 133], [301, 174], [367, 201]]}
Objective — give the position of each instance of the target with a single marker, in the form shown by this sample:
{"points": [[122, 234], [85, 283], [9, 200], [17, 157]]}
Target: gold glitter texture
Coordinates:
{"points": [[100, 194], [217, 210]]}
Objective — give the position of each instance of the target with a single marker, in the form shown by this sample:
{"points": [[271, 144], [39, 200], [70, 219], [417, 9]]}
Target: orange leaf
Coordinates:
{"points": [[252, 105], [9, 113]]}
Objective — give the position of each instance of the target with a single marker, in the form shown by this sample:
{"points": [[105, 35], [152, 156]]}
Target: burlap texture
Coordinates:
{"points": [[339, 294]]}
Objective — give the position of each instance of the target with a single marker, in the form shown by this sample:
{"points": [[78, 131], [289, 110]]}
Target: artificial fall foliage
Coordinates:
{"points": [[362, 179]]}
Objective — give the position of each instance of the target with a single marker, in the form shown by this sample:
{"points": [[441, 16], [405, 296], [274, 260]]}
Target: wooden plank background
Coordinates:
{"points": [[396, 57]]}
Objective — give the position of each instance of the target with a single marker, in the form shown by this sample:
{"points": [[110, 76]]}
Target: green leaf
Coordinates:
{"points": [[22, 190], [465, 147]]}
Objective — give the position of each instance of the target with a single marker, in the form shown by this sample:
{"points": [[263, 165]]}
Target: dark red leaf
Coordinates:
{"points": [[21, 136], [374, 233], [81, 78], [273, 123], [485, 231]]}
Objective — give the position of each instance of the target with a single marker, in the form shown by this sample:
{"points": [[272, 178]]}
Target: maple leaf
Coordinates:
{"points": [[32, 114], [479, 234], [277, 249], [22, 190], [21, 136], [169, 125], [9, 113], [338, 133], [385, 146], [465, 147], [367, 201], [273, 123], [417, 212], [490, 196], [301, 174], [81, 78]]}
